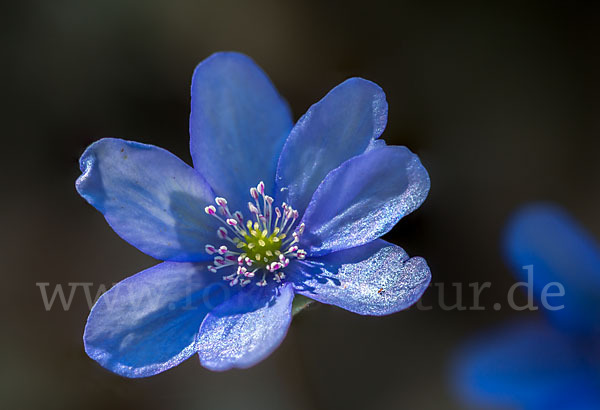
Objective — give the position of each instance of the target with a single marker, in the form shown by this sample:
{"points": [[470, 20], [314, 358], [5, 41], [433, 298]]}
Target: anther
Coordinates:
{"points": [[238, 215], [253, 209]]}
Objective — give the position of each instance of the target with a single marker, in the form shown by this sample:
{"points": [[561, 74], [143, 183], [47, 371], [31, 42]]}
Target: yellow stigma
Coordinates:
{"points": [[262, 248]]}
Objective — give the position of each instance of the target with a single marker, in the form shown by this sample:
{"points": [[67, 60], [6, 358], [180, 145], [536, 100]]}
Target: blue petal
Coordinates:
{"points": [[149, 197], [363, 199], [560, 250], [245, 329], [149, 322], [337, 128], [527, 365], [377, 279], [238, 125]]}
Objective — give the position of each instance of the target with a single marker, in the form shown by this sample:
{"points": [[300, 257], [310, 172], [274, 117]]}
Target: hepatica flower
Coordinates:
{"points": [[555, 363], [270, 210]]}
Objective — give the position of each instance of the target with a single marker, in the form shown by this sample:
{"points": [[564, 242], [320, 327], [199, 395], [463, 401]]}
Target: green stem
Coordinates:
{"points": [[300, 303]]}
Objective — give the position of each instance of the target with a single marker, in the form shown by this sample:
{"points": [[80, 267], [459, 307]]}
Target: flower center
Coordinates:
{"points": [[259, 247]]}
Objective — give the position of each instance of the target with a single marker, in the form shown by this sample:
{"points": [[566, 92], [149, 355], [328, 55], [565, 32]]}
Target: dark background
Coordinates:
{"points": [[500, 100]]}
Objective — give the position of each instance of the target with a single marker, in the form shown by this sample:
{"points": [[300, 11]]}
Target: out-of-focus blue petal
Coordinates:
{"points": [[560, 250], [363, 199], [238, 125], [337, 128], [149, 322], [527, 365], [245, 329], [149, 197], [377, 279]]}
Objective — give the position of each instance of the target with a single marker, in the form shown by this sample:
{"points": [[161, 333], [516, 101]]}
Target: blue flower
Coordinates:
{"points": [[316, 196], [554, 363]]}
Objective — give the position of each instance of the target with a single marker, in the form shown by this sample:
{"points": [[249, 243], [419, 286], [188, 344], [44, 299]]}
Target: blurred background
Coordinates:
{"points": [[499, 99]]}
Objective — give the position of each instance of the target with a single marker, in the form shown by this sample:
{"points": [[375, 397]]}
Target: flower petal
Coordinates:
{"points": [[149, 322], [245, 329], [149, 197], [526, 365], [560, 251], [363, 199], [238, 125], [377, 279], [337, 128]]}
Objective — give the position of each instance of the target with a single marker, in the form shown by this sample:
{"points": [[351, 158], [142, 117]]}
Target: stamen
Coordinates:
{"points": [[222, 202], [240, 218], [254, 210], [263, 281]]}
